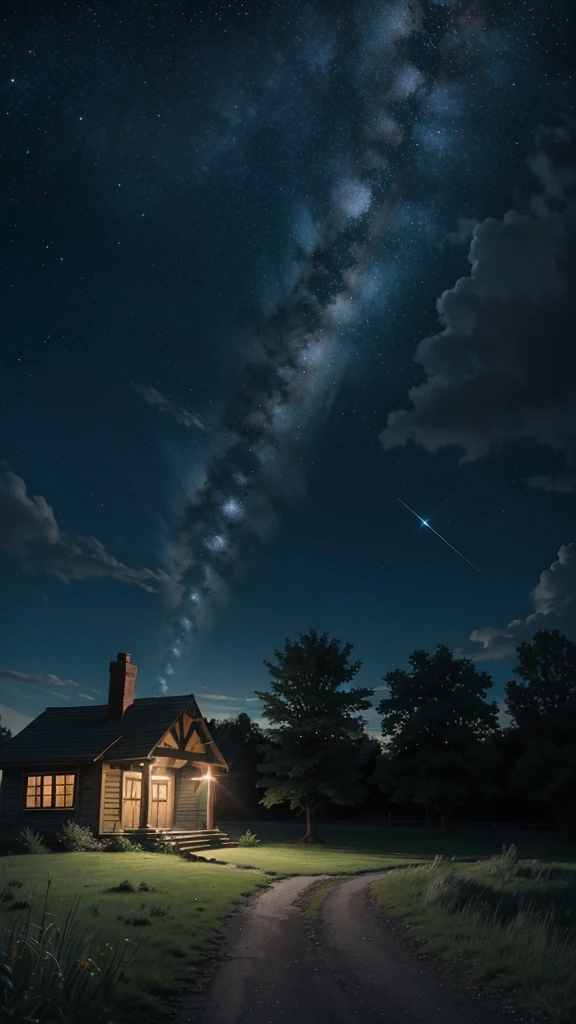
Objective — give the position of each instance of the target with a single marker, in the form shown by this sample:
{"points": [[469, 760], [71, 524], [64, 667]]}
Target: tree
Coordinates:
{"points": [[542, 706], [315, 751], [5, 734], [437, 725], [240, 741]]}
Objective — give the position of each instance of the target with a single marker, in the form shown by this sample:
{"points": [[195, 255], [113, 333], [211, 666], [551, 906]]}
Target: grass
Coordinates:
{"points": [[169, 927], [314, 907], [349, 849], [509, 922]]}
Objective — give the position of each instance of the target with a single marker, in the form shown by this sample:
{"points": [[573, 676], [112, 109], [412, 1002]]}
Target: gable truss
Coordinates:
{"points": [[177, 741]]}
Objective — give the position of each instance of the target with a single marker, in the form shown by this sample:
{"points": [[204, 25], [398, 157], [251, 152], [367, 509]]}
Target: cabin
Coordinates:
{"points": [[137, 766]]}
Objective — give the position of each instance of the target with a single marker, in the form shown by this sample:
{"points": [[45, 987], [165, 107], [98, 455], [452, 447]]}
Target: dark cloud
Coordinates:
{"points": [[29, 532], [563, 483], [504, 365], [163, 404], [554, 600]]}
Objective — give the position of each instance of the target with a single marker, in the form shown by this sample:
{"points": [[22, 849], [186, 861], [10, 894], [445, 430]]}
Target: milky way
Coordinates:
{"points": [[411, 69]]}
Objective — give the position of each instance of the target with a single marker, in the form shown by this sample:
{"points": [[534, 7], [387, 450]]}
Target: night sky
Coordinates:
{"points": [[225, 232]]}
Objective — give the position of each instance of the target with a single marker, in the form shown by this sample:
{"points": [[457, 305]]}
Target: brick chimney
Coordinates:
{"points": [[122, 685]]}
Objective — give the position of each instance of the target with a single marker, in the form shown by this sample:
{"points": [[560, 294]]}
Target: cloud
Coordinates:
{"points": [[563, 483], [216, 696], [554, 601], [504, 365], [163, 404], [29, 532], [46, 679]]}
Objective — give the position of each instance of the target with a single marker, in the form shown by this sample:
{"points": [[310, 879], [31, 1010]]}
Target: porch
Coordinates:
{"points": [[151, 798]]}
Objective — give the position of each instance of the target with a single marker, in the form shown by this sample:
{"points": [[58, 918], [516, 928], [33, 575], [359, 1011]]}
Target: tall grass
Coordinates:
{"points": [[55, 973], [510, 922]]}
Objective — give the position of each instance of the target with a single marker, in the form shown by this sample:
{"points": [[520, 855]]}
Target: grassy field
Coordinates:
{"points": [[510, 922], [348, 850], [169, 927], [172, 920]]}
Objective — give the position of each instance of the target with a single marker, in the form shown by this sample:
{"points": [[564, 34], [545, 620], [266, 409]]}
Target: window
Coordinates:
{"points": [[49, 791]]}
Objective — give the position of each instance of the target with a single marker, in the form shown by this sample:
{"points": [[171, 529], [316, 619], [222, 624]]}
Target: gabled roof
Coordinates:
{"points": [[84, 734]]}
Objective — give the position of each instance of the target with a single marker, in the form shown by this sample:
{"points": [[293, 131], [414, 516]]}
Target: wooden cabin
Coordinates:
{"points": [[131, 765]]}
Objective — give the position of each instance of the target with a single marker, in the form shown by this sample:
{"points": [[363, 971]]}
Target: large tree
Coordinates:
{"points": [[542, 706], [315, 747], [5, 734], [437, 726]]}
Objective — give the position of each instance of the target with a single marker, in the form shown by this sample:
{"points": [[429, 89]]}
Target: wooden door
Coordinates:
{"points": [[131, 800], [160, 803]]}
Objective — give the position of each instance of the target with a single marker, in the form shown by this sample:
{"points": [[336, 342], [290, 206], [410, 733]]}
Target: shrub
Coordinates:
{"points": [[160, 846], [122, 844], [248, 838], [50, 973], [77, 838], [125, 886], [29, 841]]}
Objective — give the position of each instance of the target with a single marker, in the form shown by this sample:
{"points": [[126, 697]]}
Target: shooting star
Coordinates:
{"points": [[426, 523]]}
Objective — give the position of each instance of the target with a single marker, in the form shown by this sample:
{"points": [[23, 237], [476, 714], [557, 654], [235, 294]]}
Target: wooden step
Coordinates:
{"points": [[184, 841]]}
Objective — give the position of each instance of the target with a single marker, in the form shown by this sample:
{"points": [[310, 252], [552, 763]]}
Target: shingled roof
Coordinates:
{"points": [[81, 734]]}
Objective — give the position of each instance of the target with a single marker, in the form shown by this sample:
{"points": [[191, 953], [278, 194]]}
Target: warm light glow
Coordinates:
{"points": [[208, 775]]}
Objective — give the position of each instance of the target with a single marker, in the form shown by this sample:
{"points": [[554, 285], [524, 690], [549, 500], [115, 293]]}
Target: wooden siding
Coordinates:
{"points": [[90, 775], [13, 814], [188, 813], [111, 802]]}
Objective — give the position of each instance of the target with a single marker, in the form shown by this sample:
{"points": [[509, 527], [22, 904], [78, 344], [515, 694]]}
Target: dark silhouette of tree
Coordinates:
{"points": [[437, 727], [314, 752], [542, 706], [240, 741], [5, 734]]}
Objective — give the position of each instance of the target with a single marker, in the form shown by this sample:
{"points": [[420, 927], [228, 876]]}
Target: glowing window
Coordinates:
{"points": [[49, 791]]}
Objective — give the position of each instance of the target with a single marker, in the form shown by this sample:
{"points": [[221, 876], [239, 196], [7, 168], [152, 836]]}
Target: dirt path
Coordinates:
{"points": [[347, 970]]}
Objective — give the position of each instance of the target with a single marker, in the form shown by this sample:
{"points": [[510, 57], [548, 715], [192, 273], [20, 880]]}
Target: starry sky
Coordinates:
{"points": [[267, 268]]}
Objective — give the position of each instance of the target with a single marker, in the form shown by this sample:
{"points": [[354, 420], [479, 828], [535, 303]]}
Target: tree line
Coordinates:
{"points": [[443, 743]]}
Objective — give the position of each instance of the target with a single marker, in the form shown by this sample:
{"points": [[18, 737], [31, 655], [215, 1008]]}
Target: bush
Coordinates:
{"points": [[77, 838], [122, 844], [50, 973], [163, 846], [125, 886], [29, 841], [248, 838]]}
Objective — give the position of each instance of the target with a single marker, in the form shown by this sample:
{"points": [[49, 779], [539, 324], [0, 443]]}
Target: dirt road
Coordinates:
{"points": [[348, 970]]}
